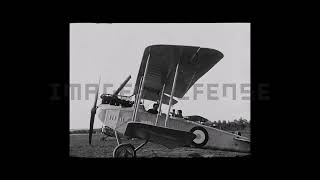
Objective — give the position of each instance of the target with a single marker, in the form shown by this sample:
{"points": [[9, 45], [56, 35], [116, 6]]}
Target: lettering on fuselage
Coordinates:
{"points": [[111, 118], [121, 119], [116, 118]]}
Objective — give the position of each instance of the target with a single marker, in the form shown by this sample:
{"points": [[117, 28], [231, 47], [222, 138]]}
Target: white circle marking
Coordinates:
{"points": [[200, 136]]}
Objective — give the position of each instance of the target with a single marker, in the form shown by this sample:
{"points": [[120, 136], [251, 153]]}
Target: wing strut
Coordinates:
{"points": [[142, 85], [164, 85], [172, 91], [136, 104]]}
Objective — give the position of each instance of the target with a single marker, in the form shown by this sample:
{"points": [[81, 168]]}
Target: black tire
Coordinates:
{"points": [[200, 131], [124, 151]]}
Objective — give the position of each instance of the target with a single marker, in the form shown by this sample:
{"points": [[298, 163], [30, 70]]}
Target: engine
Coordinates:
{"points": [[115, 101]]}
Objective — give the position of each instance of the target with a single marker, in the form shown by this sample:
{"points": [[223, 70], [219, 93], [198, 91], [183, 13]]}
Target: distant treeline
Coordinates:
{"points": [[235, 125], [84, 131]]}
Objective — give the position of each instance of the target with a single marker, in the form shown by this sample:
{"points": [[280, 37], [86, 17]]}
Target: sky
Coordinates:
{"points": [[114, 51]]}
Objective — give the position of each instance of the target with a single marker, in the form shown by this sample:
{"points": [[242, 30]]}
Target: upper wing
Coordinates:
{"points": [[154, 96], [194, 63]]}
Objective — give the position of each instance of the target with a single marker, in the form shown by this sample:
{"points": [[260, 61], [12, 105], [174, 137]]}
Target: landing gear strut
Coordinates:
{"points": [[126, 150]]}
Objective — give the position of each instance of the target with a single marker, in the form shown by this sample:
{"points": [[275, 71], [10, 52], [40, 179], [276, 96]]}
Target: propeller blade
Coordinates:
{"points": [[91, 124], [93, 113], [121, 86]]}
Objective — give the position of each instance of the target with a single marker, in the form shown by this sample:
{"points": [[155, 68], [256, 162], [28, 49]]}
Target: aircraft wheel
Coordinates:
{"points": [[202, 136], [124, 151]]}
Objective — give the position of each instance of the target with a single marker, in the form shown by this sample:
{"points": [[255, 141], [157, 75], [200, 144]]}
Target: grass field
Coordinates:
{"points": [[79, 147]]}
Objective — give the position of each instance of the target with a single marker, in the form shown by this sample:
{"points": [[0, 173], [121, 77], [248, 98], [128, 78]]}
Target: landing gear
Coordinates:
{"points": [[124, 151]]}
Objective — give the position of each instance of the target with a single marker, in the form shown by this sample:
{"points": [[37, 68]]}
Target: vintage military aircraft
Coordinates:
{"points": [[166, 71]]}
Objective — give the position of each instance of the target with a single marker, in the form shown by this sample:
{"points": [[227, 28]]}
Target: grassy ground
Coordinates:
{"points": [[79, 147]]}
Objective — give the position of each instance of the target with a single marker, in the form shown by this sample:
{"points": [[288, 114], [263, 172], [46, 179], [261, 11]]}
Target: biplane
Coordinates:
{"points": [[166, 72]]}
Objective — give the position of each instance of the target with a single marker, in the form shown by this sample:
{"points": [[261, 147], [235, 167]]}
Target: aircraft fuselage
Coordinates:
{"points": [[117, 118]]}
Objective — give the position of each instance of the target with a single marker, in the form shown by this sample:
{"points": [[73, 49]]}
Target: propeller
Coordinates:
{"points": [[93, 113]]}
